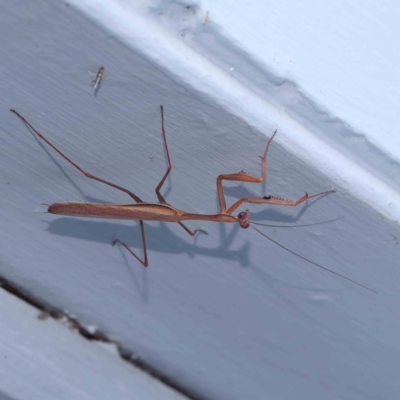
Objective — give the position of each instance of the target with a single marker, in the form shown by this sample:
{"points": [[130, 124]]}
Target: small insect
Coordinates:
{"points": [[164, 212], [97, 80]]}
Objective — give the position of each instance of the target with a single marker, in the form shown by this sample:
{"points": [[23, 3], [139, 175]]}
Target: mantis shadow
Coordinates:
{"points": [[160, 238]]}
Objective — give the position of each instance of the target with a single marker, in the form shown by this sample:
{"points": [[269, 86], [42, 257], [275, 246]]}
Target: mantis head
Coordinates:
{"points": [[243, 219]]}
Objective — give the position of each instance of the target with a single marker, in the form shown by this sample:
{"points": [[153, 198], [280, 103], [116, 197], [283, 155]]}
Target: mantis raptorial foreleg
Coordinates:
{"points": [[159, 186], [274, 200], [244, 177], [241, 177], [134, 197]]}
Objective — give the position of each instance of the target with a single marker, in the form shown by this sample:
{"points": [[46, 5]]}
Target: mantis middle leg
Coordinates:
{"points": [[159, 186]]}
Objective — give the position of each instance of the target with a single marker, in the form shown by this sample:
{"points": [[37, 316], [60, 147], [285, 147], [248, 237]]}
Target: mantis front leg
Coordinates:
{"points": [[244, 177]]}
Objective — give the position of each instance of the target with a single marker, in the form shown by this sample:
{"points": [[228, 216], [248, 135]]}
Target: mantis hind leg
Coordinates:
{"points": [[145, 261], [134, 197], [159, 186], [87, 174]]}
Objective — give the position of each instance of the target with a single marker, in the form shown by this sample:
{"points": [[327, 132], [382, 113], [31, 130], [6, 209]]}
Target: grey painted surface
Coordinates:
{"points": [[228, 315]]}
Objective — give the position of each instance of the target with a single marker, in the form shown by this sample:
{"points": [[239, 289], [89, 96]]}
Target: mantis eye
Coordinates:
{"points": [[243, 219]]}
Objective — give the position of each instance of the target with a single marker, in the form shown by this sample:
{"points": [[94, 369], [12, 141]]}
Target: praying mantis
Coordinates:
{"points": [[164, 212]]}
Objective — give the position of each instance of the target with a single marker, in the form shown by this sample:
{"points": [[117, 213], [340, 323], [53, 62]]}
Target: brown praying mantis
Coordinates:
{"points": [[164, 212]]}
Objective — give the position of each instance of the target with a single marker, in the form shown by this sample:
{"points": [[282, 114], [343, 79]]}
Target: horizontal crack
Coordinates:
{"points": [[126, 354]]}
